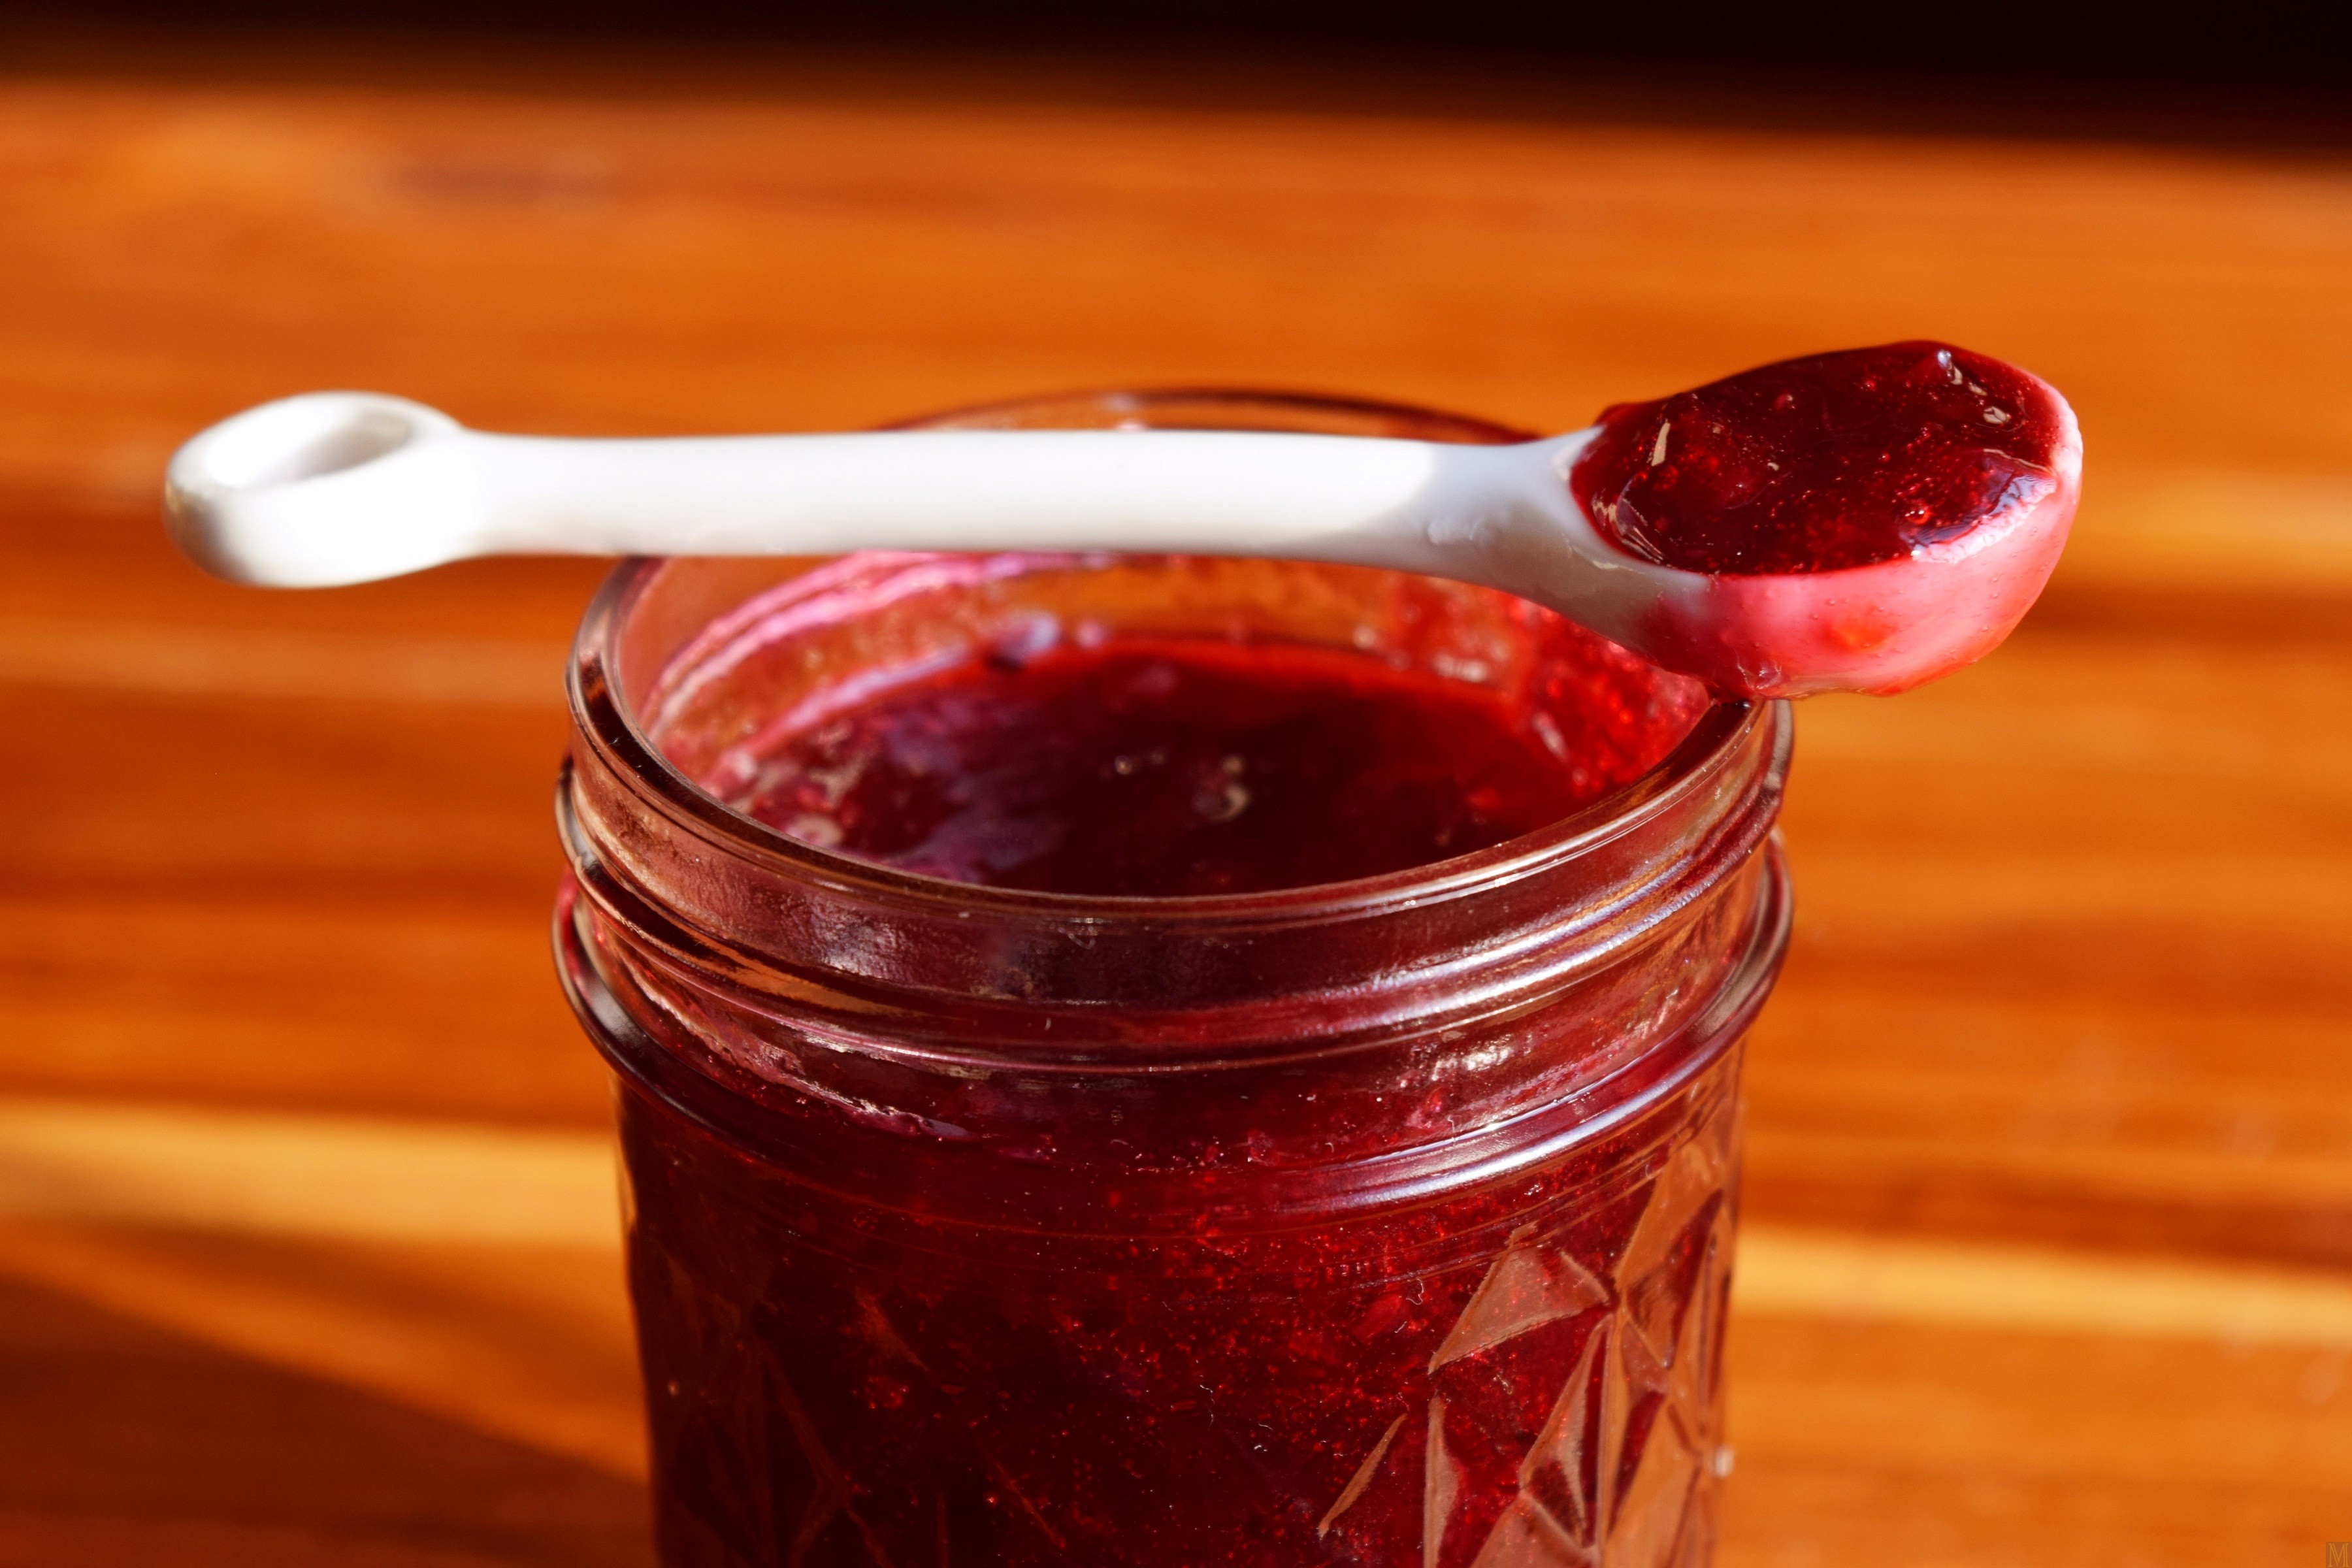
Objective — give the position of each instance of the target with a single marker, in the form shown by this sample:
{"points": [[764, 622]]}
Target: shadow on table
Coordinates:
{"points": [[120, 1443]]}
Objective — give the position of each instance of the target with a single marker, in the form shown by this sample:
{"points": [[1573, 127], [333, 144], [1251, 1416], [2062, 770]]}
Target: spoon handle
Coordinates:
{"points": [[344, 487], [1200, 491]]}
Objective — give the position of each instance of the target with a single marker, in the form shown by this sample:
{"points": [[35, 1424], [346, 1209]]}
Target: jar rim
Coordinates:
{"points": [[605, 716], [603, 713]]}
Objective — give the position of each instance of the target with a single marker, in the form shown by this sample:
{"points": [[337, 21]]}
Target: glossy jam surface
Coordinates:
{"points": [[1814, 464], [1175, 767]]}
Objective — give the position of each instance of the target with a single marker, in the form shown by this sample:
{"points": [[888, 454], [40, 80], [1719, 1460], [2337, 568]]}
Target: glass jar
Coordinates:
{"points": [[1382, 1222]]}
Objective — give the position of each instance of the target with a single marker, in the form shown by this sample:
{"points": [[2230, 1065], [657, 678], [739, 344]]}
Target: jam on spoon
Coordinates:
{"points": [[1821, 463]]}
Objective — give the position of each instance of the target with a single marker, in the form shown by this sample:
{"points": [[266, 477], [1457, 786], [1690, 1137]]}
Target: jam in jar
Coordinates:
{"points": [[1157, 1062]]}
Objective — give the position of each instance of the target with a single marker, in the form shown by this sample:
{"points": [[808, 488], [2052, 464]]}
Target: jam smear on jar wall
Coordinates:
{"points": [[1815, 464]]}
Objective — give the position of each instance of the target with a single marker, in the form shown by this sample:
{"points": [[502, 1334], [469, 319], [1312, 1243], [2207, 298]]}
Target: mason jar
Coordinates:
{"points": [[1378, 1222]]}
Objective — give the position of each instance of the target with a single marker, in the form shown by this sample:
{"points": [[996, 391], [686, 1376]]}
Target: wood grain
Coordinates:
{"points": [[2068, 993], [272, 1400], [98, 1170], [125, 1444]]}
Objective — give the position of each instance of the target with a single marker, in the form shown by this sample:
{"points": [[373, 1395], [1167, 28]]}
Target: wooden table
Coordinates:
{"points": [[306, 1235]]}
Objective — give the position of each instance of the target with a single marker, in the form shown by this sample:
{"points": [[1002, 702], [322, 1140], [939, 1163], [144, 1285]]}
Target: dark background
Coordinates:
{"points": [[2254, 41]]}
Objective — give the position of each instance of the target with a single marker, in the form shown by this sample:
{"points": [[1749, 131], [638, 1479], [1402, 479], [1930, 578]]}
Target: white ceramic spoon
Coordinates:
{"points": [[344, 487]]}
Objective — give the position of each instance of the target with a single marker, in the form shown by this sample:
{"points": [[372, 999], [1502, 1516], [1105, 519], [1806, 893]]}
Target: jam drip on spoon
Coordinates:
{"points": [[1821, 463]]}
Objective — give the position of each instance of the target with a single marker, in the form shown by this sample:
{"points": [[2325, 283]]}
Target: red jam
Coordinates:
{"points": [[1385, 1223], [1505, 1372], [1168, 768], [1815, 464]]}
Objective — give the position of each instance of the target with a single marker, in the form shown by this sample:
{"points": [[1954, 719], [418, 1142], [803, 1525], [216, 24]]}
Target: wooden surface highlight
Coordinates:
{"points": [[376, 1179], [343, 1176]]}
